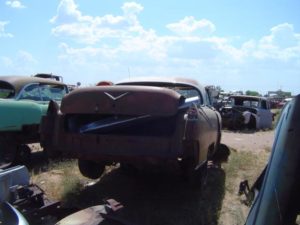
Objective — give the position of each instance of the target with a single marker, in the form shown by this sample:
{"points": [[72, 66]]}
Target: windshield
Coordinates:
{"points": [[52, 92], [43, 92]]}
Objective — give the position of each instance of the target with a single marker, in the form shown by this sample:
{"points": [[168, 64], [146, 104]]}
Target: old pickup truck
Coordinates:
{"points": [[135, 122], [23, 102]]}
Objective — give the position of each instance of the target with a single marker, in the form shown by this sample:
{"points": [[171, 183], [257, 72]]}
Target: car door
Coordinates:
{"points": [[265, 114]]}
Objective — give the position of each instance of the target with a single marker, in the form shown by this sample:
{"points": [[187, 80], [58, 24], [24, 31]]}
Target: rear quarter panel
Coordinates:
{"points": [[15, 114]]}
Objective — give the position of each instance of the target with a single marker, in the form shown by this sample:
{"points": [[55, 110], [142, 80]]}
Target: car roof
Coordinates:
{"points": [[250, 97], [173, 80], [18, 82]]}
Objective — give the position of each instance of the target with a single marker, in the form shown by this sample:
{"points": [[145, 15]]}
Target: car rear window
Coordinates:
{"points": [[6, 90], [185, 90]]}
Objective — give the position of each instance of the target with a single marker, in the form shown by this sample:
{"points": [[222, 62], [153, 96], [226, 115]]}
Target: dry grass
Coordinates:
{"points": [[159, 198], [241, 166], [60, 179]]}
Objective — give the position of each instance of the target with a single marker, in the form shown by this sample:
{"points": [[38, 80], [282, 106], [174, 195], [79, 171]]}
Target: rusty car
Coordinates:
{"points": [[135, 122], [23, 101], [244, 111]]}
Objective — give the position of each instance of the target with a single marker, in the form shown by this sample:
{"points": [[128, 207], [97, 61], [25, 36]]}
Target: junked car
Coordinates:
{"points": [[23, 101], [243, 111], [135, 122]]}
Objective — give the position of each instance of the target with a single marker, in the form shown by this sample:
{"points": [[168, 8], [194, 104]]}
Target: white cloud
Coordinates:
{"points": [[90, 30], [132, 8], [15, 4], [113, 43], [3, 33], [282, 44], [282, 36], [190, 26], [25, 57], [22, 63], [67, 12]]}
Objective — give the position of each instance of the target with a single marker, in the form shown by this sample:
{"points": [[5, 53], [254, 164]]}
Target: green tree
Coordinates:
{"points": [[253, 93]]}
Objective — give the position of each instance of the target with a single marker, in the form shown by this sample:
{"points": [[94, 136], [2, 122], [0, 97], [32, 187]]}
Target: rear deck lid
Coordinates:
{"points": [[122, 100]]}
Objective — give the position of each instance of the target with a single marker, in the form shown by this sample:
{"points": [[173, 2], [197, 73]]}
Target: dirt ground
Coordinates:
{"points": [[248, 141]]}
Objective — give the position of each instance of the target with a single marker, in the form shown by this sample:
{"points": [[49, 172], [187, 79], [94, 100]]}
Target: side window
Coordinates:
{"points": [[207, 98], [246, 103], [190, 93], [31, 92], [264, 104]]}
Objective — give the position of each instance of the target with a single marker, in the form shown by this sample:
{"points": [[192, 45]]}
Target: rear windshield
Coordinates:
{"points": [[6, 90], [184, 90]]}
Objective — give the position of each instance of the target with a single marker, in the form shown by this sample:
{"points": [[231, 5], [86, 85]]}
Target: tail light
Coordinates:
{"points": [[192, 113]]}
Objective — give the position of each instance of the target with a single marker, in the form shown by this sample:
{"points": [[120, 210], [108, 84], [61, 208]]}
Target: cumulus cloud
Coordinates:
{"points": [[86, 29], [3, 33], [190, 26], [282, 36], [22, 62], [132, 8], [118, 35], [67, 12], [15, 4], [110, 44], [283, 43]]}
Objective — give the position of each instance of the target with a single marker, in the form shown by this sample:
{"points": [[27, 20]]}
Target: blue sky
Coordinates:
{"points": [[238, 45]]}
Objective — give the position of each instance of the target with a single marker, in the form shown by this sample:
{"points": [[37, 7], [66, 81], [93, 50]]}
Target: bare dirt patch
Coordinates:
{"points": [[249, 141]]}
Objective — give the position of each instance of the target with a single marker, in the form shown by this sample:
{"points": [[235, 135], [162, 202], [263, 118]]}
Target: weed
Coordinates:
{"points": [[160, 197]]}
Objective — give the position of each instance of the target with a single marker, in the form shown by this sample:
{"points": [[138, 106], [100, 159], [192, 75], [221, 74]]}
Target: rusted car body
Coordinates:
{"points": [[138, 121], [244, 111], [23, 102]]}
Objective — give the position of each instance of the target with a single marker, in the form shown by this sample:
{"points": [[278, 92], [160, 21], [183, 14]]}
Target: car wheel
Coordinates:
{"points": [[23, 154], [221, 155], [90, 169]]}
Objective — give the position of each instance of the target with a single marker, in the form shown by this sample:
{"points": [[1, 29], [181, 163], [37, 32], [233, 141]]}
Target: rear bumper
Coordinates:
{"points": [[106, 147]]}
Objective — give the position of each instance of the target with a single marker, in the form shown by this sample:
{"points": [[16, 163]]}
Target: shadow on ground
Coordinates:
{"points": [[38, 162], [156, 198]]}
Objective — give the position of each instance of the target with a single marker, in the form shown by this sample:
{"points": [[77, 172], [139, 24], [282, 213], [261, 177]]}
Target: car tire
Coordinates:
{"points": [[90, 169], [252, 123]]}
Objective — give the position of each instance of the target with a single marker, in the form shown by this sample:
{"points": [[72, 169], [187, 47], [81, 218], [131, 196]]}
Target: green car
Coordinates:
{"points": [[23, 101]]}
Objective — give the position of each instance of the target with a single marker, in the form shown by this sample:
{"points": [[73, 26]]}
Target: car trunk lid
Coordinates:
{"points": [[122, 100]]}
